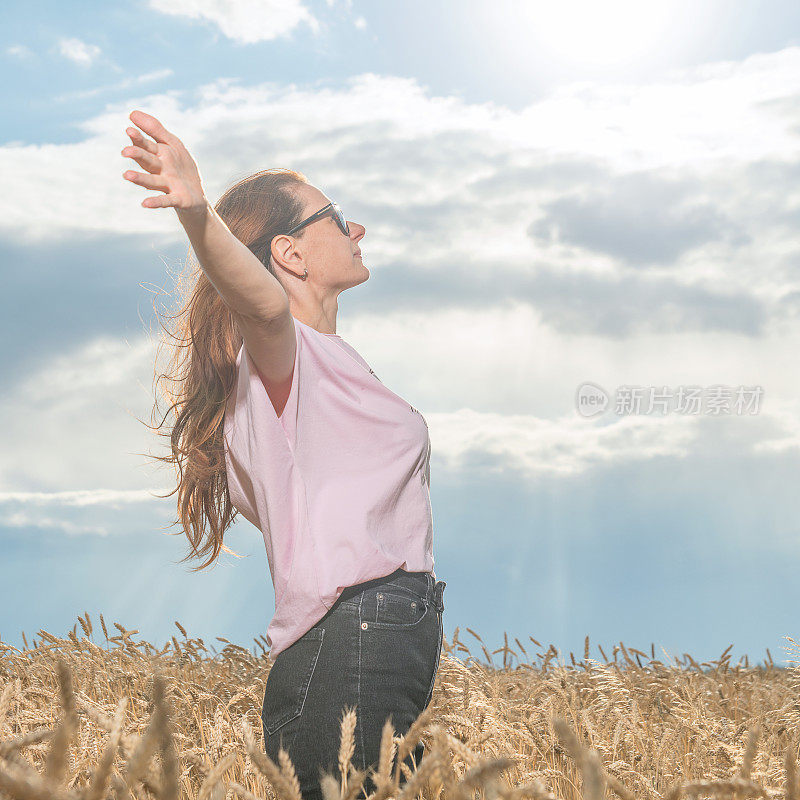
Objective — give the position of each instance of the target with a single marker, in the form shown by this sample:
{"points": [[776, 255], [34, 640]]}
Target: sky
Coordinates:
{"points": [[582, 233]]}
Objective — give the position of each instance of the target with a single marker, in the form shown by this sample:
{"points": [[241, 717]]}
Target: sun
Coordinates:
{"points": [[599, 32]]}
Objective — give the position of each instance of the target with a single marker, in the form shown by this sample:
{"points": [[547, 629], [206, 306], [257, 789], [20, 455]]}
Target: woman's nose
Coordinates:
{"points": [[356, 230]]}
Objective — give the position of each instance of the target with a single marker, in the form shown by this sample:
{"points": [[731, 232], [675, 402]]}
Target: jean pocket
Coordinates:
{"points": [[288, 681], [399, 608]]}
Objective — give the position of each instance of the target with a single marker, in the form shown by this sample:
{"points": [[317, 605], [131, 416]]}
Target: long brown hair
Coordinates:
{"points": [[204, 344]]}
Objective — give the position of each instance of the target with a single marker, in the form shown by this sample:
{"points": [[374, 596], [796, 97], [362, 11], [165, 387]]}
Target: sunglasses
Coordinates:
{"points": [[331, 208]]}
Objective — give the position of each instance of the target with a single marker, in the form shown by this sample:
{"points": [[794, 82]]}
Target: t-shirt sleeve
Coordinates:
{"points": [[257, 441], [287, 421]]}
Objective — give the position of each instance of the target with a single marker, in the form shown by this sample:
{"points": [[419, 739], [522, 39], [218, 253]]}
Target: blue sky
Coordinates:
{"points": [[553, 196]]}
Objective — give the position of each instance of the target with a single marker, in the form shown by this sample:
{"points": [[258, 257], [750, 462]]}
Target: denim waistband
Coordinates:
{"points": [[421, 582]]}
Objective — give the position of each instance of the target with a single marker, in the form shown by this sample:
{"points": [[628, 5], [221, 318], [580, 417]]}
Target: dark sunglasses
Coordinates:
{"points": [[331, 208]]}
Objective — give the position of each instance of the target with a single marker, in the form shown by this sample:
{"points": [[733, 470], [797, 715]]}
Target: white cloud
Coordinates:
{"points": [[244, 21], [79, 512], [22, 519], [521, 443], [490, 408], [19, 51], [84, 435], [127, 83], [114, 498], [78, 464], [496, 385], [704, 160], [499, 385], [78, 51]]}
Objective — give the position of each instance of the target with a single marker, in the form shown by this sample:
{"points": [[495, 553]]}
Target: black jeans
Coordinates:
{"points": [[377, 649]]}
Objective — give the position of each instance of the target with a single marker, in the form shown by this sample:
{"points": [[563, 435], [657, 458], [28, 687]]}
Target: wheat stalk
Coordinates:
{"points": [[130, 721]]}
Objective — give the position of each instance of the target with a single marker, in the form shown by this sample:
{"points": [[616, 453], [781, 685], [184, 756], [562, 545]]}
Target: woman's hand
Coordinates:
{"points": [[170, 168]]}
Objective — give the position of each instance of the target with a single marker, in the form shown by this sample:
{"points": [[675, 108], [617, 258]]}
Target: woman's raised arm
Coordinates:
{"points": [[243, 283]]}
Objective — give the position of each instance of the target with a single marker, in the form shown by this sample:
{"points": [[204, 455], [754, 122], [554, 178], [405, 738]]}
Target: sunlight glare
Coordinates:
{"points": [[587, 32]]}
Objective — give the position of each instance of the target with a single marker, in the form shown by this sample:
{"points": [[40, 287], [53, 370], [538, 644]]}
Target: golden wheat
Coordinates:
{"points": [[124, 720]]}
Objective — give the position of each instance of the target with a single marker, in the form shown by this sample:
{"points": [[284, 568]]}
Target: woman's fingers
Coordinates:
{"points": [[141, 141], [146, 180], [150, 125], [151, 162], [160, 201], [170, 167]]}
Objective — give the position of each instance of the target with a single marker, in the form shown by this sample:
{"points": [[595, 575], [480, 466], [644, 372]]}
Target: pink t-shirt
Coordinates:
{"points": [[338, 484]]}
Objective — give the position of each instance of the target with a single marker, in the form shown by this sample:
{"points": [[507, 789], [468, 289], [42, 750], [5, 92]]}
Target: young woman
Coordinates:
{"points": [[281, 419]]}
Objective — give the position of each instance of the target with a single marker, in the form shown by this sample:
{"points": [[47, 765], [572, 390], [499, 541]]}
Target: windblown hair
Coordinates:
{"points": [[202, 361]]}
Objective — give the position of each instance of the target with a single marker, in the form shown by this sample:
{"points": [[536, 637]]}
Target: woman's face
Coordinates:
{"points": [[332, 258]]}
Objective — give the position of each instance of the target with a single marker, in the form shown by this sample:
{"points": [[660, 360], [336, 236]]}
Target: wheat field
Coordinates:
{"points": [[121, 719]]}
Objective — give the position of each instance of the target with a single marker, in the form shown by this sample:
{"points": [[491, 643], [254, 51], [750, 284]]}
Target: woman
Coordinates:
{"points": [[283, 420]]}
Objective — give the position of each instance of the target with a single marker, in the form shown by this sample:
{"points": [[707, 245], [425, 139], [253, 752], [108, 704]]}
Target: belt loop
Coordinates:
{"points": [[438, 595]]}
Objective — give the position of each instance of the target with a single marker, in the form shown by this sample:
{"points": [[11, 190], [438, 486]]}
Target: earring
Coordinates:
{"points": [[305, 275]]}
